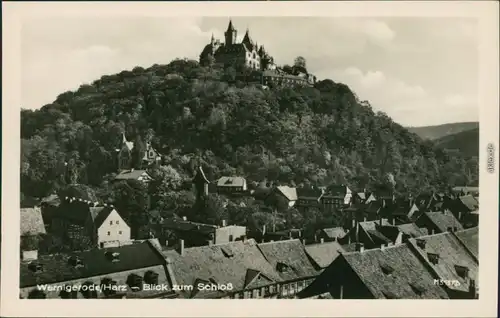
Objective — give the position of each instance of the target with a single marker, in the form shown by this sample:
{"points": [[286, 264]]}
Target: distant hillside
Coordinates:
{"points": [[439, 131], [467, 142]]}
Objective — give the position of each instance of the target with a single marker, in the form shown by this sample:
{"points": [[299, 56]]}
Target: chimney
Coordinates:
{"points": [[393, 221], [181, 247], [472, 288], [263, 229], [166, 243], [364, 219], [224, 223], [132, 170], [304, 242], [210, 242], [271, 241], [360, 247], [460, 216], [184, 218], [322, 240], [353, 223], [382, 247]]}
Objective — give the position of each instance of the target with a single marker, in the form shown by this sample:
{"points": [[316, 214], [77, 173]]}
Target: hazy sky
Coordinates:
{"points": [[420, 71]]}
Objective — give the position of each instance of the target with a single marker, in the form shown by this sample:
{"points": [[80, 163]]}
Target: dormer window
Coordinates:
{"points": [[35, 267], [421, 243], [283, 268], [135, 282], [75, 261], [151, 278], [227, 252], [433, 258], [386, 269], [114, 257], [418, 288], [462, 271]]}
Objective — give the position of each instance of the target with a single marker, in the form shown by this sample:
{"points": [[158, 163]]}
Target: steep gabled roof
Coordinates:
{"points": [[289, 193], [394, 272], [231, 182], [292, 255], [450, 253], [334, 232], [100, 214], [324, 254], [32, 222], [412, 230], [469, 202], [470, 238], [444, 221], [234, 262]]}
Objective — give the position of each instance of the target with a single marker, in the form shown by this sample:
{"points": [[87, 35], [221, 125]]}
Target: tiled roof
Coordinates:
{"points": [[469, 202], [239, 263], [470, 238], [351, 247], [324, 254], [394, 272], [335, 232], [412, 229], [289, 192], [231, 182], [451, 253], [131, 174], [32, 221], [291, 256], [56, 267], [444, 221]]}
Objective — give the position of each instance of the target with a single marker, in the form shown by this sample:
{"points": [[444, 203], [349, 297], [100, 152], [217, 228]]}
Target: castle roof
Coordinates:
{"points": [[230, 27]]}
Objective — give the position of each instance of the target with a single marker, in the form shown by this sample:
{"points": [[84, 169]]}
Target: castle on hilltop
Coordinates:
{"points": [[250, 55]]}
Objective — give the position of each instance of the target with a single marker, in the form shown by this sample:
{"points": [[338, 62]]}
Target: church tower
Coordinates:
{"points": [[230, 34], [247, 40], [200, 184]]}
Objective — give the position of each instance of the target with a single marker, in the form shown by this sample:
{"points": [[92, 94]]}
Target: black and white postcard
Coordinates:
{"points": [[286, 159]]}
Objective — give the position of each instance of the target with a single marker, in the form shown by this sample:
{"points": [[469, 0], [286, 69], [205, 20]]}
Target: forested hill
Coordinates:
{"points": [[193, 114], [440, 131], [467, 142]]}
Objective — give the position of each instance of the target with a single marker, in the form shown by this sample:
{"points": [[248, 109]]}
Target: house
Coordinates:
{"points": [[466, 210], [330, 234], [231, 185], [438, 222], [335, 197], [308, 198], [384, 273], [450, 263], [196, 234], [405, 211], [429, 201], [124, 154], [370, 197], [368, 233], [86, 224], [470, 239], [323, 254], [288, 193], [238, 266], [133, 174], [294, 267], [117, 272], [32, 230], [359, 197], [464, 190]]}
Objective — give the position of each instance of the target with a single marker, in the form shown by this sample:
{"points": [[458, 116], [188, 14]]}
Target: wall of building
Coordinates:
{"points": [[113, 229], [229, 233]]}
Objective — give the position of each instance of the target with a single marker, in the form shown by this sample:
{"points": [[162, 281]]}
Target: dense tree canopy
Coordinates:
{"points": [[197, 115]]}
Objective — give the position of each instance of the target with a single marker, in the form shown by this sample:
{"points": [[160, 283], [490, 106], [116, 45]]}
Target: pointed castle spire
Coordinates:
{"points": [[212, 40], [247, 39], [230, 26]]}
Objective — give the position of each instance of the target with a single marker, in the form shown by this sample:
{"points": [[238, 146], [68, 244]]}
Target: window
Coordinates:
{"points": [[284, 290], [462, 271], [433, 258], [110, 222], [109, 233], [117, 222], [120, 232]]}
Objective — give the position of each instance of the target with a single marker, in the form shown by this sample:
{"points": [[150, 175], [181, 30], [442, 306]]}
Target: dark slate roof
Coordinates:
{"points": [[182, 225], [240, 263], [412, 229], [292, 254], [443, 221], [56, 267], [32, 222], [309, 194], [373, 207], [469, 202], [336, 191], [131, 174], [451, 253], [99, 214], [323, 254], [470, 238], [405, 276], [76, 212]]}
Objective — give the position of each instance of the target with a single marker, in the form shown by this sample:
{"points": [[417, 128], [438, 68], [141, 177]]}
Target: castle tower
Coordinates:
{"points": [[200, 183], [247, 40], [212, 40], [230, 34]]}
